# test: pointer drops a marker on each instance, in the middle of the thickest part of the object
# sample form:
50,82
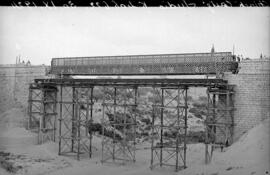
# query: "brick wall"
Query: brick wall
14,83
252,94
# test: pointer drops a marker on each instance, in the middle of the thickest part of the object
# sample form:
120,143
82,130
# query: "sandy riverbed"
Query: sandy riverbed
250,155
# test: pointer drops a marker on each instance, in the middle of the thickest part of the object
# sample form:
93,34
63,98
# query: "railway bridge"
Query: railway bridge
61,109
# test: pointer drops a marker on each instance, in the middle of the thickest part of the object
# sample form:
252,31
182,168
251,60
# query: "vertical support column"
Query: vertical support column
229,113
78,123
41,119
207,158
161,126
213,127
125,144
185,126
30,103
114,123
227,105
55,117
60,119
88,119
103,123
44,109
219,121
91,119
155,128
73,120
135,121
152,137
177,134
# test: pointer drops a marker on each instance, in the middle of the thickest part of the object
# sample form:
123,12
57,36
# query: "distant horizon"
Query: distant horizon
14,64
40,34
144,55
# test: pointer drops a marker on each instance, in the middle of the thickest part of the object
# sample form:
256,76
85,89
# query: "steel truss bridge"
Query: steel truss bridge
62,110
163,64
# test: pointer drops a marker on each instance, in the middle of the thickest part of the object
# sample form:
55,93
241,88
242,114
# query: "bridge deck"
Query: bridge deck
134,82
163,64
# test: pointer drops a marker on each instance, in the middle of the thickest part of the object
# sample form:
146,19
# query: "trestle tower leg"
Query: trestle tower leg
169,127
119,124
42,111
75,117
219,121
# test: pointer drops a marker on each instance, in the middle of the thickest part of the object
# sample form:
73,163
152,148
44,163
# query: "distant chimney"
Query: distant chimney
213,49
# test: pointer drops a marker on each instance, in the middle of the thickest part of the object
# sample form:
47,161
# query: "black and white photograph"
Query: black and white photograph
125,90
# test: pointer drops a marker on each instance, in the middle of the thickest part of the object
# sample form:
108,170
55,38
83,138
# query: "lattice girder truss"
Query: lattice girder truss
119,124
219,122
76,107
169,127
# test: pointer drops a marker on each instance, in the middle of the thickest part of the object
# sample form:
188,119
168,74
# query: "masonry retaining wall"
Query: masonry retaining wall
252,94
14,84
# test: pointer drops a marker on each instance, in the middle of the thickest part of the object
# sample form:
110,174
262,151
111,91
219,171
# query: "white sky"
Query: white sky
38,34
